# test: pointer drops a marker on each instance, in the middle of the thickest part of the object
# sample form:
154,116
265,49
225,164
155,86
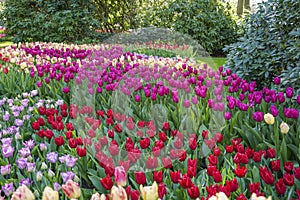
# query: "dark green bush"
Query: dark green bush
207,21
49,21
270,45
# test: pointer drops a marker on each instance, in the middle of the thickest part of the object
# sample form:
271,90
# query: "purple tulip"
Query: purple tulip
186,103
289,92
6,116
56,186
298,99
291,113
280,97
25,181
8,151
29,143
5,169
70,162
43,147
52,157
67,176
30,167
8,189
227,115
66,90
258,116
22,163
276,80
39,84
24,152
6,142
195,100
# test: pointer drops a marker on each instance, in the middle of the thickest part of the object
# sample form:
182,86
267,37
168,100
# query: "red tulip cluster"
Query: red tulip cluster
52,123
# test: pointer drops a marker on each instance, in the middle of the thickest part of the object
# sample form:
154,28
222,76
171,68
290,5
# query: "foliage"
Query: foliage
116,15
270,44
209,22
57,21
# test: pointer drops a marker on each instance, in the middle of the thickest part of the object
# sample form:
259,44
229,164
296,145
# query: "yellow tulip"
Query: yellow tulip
284,128
23,193
219,196
149,192
118,193
255,197
97,196
49,194
269,118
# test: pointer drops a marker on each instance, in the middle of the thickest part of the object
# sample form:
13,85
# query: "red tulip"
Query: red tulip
297,172
217,176
81,151
288,166
140,178
275,165
254,187
240,171
166,126
167,162
161,190
106,182
266,175
175,176
144,143
158,176
280,186
185,182
59,140
229,148
212,159
288,179
193,192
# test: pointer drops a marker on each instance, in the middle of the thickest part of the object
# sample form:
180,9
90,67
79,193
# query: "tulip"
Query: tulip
97,196
219,196
71,189
49,194
120,176
118,193
149,192
284,128
255,197
269,119
23,193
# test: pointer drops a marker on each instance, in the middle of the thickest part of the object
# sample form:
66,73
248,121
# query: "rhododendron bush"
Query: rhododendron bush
96,122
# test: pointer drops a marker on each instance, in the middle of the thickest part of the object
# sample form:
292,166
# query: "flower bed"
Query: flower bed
132,126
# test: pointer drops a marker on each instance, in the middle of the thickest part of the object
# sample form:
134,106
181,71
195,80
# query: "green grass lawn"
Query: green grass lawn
213,62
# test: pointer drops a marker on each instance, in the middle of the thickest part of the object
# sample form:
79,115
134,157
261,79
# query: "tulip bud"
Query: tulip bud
23,193
39,176
284,128
120,176
44,166
149,192
50,194
51,173
71,189
118,193
269,119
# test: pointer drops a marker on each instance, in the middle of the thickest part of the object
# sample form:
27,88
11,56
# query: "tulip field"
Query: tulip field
100,122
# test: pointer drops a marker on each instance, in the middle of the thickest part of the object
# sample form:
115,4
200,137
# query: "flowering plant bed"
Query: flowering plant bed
95,122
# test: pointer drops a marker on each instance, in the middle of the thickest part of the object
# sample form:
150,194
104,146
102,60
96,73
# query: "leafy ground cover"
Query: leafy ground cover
98,122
